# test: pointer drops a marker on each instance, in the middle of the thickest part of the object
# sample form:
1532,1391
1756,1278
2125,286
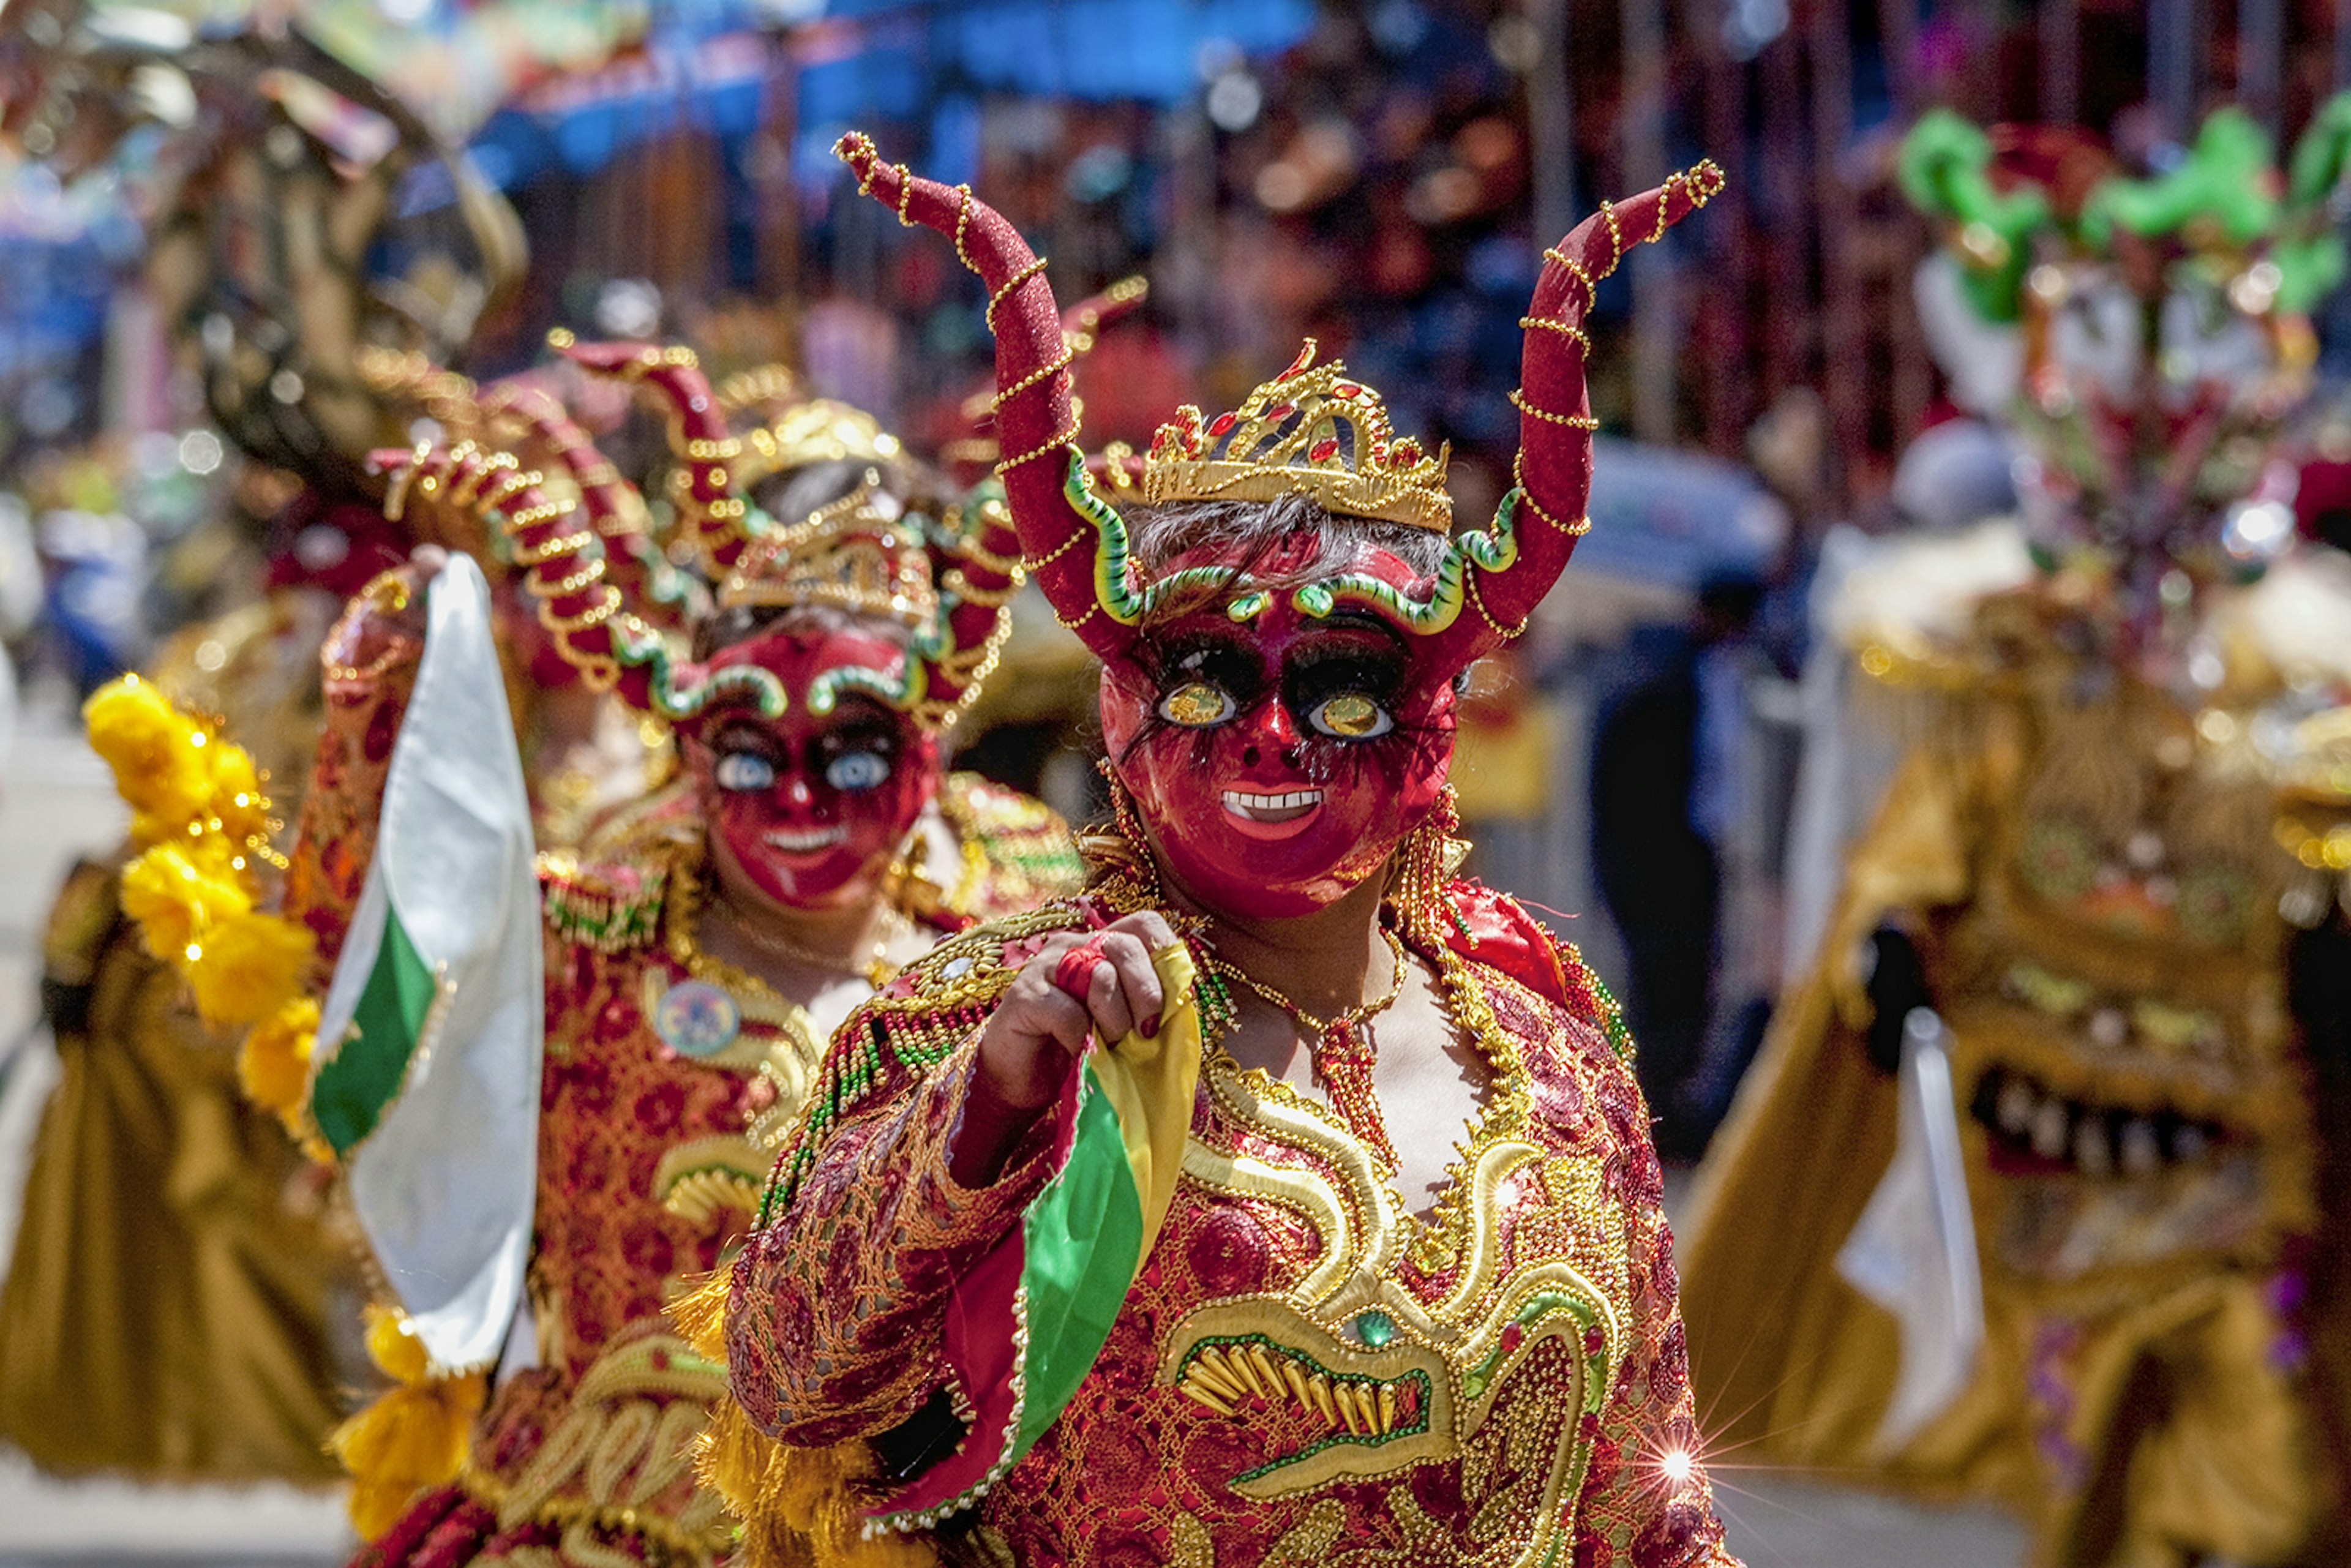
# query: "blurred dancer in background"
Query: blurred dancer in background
1665,779
166,1314
2035,1192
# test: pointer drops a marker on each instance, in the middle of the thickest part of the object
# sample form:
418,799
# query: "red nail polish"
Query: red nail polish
1150,1025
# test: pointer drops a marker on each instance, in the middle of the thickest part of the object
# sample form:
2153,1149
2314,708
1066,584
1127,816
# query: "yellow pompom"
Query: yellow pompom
251,965
158,754
176,902
236,800
273,1065
376,1506
415,1435
412,1437
397,1353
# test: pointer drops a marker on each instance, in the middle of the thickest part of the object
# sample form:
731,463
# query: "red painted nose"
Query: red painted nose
1269,734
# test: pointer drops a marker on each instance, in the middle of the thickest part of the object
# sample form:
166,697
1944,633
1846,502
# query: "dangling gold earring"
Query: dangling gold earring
1122,845
1425,861
1121,806
905,887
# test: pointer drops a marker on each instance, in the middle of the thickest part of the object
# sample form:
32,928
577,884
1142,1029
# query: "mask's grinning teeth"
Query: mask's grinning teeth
804,843
1271,808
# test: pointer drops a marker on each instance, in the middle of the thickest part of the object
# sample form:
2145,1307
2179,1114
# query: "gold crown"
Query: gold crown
818,430
863,553
1309,430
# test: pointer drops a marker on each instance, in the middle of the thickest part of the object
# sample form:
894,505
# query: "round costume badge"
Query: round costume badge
695,1018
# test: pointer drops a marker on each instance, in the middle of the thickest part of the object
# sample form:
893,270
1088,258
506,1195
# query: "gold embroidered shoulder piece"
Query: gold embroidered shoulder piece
609,894
1017,851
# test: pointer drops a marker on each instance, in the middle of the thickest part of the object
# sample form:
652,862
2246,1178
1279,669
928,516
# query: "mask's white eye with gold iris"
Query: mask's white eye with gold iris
744,770
1351,715
854,770
1196,705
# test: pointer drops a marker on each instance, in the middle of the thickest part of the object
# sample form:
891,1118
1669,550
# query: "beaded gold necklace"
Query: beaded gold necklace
1341,1051
875,969
761,1000
1509,1101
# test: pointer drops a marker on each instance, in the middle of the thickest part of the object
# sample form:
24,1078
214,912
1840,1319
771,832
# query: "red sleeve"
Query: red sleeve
839,1302
335,839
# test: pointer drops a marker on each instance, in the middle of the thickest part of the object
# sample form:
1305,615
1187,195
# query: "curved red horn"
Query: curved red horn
615,509
703,485
1555,463
970,457
565,561
1033,419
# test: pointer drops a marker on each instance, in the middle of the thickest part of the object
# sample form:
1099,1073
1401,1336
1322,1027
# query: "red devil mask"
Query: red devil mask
813,807
1277,763
1278,759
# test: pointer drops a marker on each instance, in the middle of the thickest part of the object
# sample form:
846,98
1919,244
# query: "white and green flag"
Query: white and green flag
426,1082
1913,1251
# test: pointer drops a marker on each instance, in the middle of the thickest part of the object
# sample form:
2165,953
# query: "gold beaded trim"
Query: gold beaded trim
1573,420
561,544
584,578
1057,552
1069,356
587,620
1036,266
1577,529
1574,334
1056,445
955,581
1477,602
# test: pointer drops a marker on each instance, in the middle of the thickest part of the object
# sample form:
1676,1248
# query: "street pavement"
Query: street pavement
56,801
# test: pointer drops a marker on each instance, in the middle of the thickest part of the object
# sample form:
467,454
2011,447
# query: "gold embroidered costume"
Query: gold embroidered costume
2111,867
2096,886
1302,1371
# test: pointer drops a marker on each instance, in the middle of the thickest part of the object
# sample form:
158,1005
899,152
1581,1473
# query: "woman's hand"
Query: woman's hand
1037,1028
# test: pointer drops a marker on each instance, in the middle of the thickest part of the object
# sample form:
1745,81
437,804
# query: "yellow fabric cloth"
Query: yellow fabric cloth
165,1313
1150,1080
163,1316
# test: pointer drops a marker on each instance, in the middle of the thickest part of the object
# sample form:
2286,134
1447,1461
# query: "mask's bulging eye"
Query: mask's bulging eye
856,770
1196,705
744,770
1351,715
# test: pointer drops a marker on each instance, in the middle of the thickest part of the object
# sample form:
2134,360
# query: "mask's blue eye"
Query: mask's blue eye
744,770
855,770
